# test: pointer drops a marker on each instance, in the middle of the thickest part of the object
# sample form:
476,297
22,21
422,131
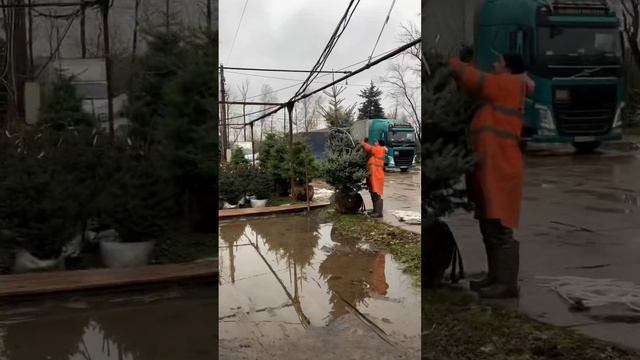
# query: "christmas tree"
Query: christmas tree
447,156
371,108
345,166
336,114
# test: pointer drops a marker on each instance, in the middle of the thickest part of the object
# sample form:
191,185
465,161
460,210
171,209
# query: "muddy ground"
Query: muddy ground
292,288
581,217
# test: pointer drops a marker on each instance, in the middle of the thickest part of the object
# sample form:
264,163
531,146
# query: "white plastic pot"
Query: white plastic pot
120,255
258,203
229,206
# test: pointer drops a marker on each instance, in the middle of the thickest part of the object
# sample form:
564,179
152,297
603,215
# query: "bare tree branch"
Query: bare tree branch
397,77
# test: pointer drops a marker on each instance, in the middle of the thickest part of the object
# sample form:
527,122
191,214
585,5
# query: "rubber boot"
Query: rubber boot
373,204
506,266
377,208
475,285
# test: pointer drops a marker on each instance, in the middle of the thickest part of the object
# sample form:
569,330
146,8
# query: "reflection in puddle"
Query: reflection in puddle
127,327
280,276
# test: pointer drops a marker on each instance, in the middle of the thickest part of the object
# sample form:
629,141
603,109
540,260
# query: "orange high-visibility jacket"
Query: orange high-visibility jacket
496,183
376,166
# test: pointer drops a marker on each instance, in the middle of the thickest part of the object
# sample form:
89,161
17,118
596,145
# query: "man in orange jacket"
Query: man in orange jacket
496,182
375,181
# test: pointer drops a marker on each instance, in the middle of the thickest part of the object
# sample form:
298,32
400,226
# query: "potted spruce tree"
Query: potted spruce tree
345,168
137,206
38,212
234,181
274,159
261,187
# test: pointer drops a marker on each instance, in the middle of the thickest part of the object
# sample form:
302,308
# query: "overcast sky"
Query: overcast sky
292,34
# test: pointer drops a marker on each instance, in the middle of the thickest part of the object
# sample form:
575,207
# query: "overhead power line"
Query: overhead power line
321,76
386,21
353,73
249,103
333,40
292,79
285,70
48,4
252,113
237,29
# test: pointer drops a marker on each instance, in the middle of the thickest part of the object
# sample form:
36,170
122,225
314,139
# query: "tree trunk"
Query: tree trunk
107,62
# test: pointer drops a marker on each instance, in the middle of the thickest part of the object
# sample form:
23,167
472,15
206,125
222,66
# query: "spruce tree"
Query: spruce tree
345,166
371,107
447,156
62,107
173,97
336,115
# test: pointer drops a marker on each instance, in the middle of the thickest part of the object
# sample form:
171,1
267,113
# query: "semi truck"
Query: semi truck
399,136
573,50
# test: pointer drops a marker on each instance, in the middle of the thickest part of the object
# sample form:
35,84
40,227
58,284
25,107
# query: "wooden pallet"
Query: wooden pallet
95,279
227,214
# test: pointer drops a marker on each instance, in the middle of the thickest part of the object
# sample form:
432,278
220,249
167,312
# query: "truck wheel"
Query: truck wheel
404,169
586,147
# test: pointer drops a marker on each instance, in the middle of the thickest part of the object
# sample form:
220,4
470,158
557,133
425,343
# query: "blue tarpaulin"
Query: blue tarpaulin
317,140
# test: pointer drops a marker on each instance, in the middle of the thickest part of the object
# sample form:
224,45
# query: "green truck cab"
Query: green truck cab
399,136
573,51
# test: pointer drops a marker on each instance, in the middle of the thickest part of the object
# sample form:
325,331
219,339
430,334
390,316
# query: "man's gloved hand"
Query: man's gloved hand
366,140
466,54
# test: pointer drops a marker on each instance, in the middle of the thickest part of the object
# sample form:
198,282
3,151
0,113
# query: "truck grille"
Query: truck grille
404,158
590,111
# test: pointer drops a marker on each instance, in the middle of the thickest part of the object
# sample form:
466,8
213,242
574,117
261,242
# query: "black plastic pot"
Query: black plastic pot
347,203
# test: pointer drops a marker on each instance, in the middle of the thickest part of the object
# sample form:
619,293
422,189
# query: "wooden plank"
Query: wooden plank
69,281
248,212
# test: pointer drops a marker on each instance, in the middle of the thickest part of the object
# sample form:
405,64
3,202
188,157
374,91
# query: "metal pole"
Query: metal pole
83,34
107,62
253,149
306,184
244,121
250,102
292,168
223,114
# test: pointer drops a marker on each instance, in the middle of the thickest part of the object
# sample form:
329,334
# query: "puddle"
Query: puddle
169,324
284,278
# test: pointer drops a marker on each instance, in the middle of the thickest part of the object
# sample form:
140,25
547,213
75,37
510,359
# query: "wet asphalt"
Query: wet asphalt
402,191
581,218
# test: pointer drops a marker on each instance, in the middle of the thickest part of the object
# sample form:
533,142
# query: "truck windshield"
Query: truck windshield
404,137
580,43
